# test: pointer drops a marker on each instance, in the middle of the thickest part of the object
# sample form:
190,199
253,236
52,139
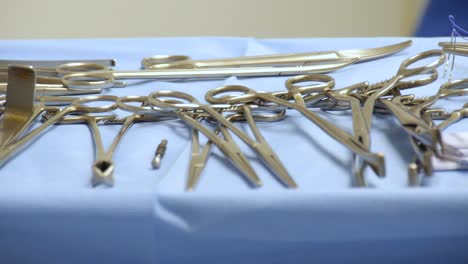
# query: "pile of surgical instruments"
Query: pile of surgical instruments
306,92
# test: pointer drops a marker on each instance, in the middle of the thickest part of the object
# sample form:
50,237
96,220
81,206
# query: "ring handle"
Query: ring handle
123,103
247,95
75,67
406,70
88,80
165,100
80,103
431,77
326,83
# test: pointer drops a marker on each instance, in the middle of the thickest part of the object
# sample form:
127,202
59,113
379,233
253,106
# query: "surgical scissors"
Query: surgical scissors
106,78
294,59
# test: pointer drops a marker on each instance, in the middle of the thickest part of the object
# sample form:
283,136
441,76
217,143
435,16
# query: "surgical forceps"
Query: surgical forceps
403,72
251,96
187,112
78,105
408,116
103,167
424,138
361,134
182,61
226,145
200,157
259,145
360,131
106,79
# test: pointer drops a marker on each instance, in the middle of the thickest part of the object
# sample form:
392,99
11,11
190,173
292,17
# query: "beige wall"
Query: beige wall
259,18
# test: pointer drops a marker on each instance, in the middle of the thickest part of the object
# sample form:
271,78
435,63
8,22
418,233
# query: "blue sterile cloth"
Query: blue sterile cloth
49,213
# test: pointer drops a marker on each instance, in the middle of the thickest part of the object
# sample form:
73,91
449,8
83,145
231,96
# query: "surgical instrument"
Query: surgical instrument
199,155
191,119
199,158
403,72
360,129
250,95
106,79
259,144
455,48
103,167
55,89
159,154
448,118
78,105
59,67
20,108
51,65
50,71
308,58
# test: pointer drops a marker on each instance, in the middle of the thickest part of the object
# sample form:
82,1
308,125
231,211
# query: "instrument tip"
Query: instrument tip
103,173
159,154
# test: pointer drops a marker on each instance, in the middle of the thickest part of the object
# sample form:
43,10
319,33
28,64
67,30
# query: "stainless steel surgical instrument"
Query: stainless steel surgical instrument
308,58
20,106
107,79
50,71
260,147
55,89
199,158
336,133
159,154
404,72
360,131
259,144
78,105
228,147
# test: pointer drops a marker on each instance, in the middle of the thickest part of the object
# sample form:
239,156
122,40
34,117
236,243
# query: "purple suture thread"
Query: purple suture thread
456,29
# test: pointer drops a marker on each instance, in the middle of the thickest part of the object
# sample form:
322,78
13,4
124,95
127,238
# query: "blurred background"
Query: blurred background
28,19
